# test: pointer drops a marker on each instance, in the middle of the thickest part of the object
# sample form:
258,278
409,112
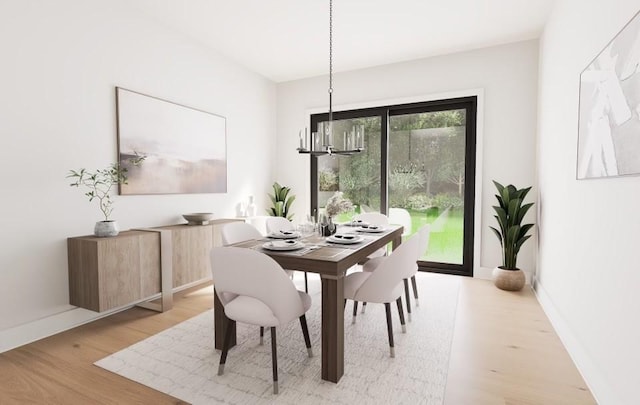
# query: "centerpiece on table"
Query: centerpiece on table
336,204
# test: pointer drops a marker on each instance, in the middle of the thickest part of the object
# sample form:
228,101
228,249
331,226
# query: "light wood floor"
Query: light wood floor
504,351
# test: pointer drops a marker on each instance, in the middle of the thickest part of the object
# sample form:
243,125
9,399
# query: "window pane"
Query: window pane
426,177
358,176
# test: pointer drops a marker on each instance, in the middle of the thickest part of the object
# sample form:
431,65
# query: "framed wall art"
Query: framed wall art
609,121
185,147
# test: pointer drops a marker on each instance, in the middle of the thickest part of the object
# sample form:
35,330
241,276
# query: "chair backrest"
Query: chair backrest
276,224
400,216
240,271
373,218
423,235
389,274
235,232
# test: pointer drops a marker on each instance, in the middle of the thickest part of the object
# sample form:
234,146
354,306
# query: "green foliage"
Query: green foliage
101,181
509,213
444,201
281,201
403,181
418,202
359,175
327,180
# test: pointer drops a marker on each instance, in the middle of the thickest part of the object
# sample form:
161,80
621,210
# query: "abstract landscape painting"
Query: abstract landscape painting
609,122
185,147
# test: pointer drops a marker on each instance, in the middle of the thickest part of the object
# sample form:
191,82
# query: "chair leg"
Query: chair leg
274,360
408,298
355,312
225,347
261,335
364,305
306,283
401,314
387,307
415,289
305,332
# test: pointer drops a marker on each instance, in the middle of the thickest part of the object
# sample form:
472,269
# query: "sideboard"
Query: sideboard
113,272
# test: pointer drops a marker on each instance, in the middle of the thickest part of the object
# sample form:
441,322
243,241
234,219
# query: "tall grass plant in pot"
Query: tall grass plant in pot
512,234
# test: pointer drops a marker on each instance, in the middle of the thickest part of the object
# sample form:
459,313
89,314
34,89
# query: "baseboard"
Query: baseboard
30,332
591,374
483,273
41,328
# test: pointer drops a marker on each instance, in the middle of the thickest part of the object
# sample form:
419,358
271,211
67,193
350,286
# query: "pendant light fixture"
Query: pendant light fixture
322,141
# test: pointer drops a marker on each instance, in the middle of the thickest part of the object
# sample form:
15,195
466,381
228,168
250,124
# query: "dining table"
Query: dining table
331,261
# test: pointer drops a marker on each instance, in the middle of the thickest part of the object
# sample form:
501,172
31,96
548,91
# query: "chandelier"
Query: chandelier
322,141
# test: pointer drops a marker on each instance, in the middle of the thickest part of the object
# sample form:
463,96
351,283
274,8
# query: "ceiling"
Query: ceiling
288,39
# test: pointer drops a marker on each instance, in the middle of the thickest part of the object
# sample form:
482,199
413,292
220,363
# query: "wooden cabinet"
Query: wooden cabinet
108,273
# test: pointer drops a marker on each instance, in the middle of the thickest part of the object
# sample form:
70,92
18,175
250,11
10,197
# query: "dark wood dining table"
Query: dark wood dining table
331,262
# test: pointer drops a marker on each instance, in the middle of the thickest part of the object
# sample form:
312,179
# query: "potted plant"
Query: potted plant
281,201
512,234
99,184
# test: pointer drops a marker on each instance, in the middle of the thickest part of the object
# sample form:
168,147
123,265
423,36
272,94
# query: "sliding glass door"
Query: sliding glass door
418,163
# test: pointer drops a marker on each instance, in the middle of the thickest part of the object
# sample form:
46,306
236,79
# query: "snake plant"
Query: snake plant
509,213
281,201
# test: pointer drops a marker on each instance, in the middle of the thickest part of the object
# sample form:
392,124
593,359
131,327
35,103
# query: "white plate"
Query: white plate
283,245
345,238
356,223
372,229
285,235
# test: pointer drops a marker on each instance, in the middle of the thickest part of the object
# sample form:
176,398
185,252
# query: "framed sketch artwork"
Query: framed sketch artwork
185,148
609,121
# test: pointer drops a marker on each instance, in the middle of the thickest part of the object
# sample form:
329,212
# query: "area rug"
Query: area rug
182,362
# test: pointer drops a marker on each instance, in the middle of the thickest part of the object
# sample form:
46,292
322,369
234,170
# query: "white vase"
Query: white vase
106,228
251,207
508,280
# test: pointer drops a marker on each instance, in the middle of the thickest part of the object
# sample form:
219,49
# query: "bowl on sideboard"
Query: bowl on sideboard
198,218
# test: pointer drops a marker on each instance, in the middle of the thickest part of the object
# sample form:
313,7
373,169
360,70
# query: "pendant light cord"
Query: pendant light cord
330,60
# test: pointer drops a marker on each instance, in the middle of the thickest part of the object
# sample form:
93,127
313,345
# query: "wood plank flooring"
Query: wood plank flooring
504,351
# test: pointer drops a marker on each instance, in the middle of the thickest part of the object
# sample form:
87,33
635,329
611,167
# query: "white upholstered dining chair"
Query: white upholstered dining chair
423,242
277,224
236,232
378,219
400,216
384,285
253,289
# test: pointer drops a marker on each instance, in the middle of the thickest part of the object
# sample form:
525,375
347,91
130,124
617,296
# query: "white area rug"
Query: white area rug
182,362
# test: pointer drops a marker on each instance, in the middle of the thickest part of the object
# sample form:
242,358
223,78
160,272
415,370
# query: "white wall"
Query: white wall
508,75
588,274
60,63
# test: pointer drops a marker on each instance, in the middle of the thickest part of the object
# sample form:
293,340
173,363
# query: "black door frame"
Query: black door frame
469,104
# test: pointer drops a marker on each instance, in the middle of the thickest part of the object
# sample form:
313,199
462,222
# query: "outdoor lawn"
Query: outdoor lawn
445,240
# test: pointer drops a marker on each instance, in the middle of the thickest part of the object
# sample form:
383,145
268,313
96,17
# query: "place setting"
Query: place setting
366,228
344,240
284,235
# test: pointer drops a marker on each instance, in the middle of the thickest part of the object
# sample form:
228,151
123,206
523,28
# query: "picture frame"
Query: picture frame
185,148
609,109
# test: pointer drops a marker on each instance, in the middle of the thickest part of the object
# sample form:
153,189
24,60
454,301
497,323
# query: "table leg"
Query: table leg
221,324
332,329
396,242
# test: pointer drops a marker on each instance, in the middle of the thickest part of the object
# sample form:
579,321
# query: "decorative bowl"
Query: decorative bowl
198,218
